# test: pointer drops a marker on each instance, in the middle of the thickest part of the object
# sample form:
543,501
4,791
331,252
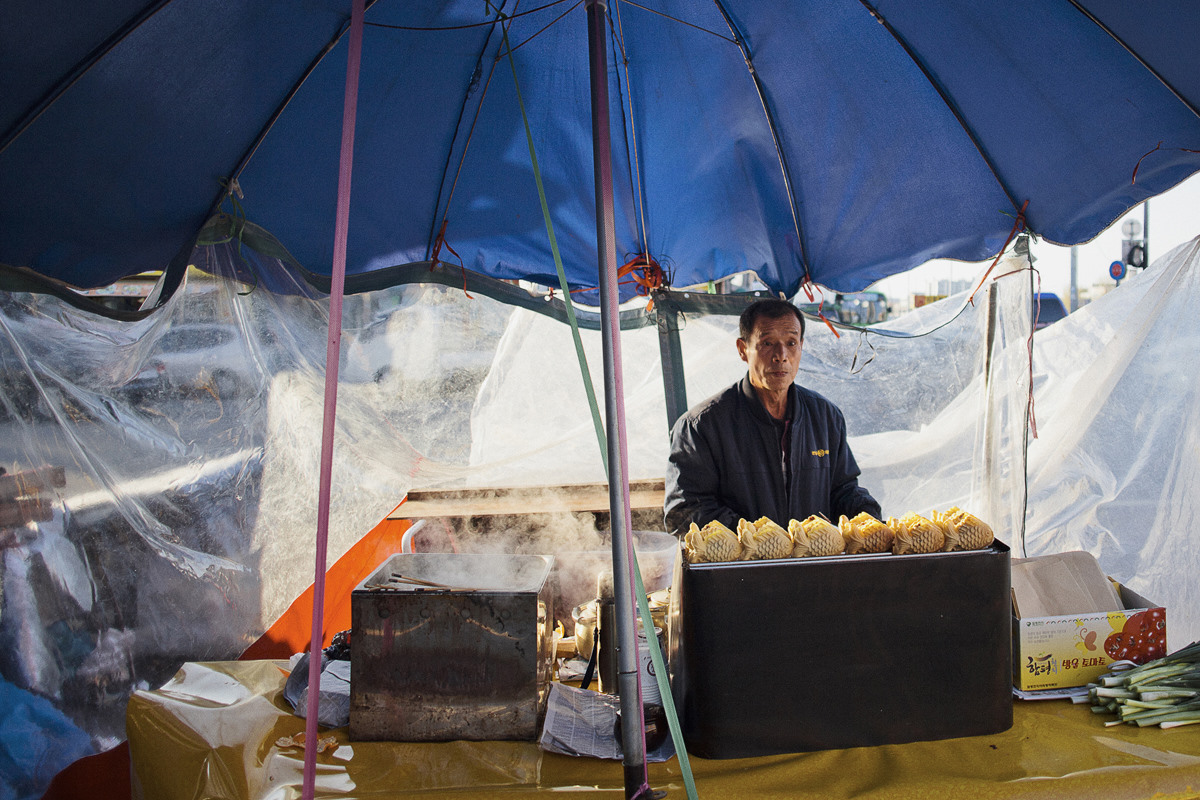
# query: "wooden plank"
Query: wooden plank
14,537
31,482
19,512
522,500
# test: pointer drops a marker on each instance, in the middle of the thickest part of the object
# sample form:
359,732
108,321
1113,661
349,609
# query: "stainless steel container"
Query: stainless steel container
451,646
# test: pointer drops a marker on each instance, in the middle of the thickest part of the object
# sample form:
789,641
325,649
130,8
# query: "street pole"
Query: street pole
1074,298
1145,233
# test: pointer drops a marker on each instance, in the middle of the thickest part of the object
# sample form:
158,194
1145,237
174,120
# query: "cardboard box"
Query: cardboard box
802,654
1070,622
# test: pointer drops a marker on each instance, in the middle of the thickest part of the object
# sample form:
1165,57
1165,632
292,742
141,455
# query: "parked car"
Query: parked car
829,311
197,357
863,308
1048,308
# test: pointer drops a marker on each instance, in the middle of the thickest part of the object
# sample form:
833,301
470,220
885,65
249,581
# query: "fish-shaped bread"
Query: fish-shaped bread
764,538
816,536
916,534
865,534
964,530
714,542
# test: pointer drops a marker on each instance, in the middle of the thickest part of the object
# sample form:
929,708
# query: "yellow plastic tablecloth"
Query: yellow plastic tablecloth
211,732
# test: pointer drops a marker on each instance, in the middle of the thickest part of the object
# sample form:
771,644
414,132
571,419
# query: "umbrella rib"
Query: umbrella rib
680,21
1112,34
466,26
244,161
631,153
946,100
543,29
438,225
77,72
785,171
435,225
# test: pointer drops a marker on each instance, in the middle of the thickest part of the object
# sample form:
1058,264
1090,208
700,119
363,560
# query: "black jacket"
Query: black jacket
727,462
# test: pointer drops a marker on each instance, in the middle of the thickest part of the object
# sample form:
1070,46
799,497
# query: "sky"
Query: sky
1174,220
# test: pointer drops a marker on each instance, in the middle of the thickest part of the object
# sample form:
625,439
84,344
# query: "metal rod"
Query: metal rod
398,578
671,355
628,681
332,350
989,395
1145,234
1074,293
785,171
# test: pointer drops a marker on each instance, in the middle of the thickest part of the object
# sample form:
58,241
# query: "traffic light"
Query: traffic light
1133,253
1133,248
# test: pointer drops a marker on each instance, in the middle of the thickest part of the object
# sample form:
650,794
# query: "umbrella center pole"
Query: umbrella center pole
633,741
337,285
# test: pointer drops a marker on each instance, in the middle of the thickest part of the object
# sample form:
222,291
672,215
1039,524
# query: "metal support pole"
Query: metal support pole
1145,233
633,740
332,357
671,355
989,398
1073,299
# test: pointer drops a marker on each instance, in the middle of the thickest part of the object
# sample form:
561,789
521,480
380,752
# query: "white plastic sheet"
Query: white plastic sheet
914,396
1115,469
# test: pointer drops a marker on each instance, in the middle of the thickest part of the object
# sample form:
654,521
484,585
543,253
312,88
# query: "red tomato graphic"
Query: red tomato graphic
1116,647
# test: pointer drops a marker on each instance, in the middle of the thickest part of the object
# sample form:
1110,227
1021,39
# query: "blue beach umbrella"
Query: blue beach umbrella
839,142
834,142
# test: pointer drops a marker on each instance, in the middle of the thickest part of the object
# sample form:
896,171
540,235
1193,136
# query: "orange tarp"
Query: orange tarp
290,633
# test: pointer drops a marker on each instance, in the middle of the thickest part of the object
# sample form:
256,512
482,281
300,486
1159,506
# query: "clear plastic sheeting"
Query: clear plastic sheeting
188,443
928,428
1115,469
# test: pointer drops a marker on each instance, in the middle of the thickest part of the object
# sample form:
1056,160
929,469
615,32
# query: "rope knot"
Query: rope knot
808,287
645,273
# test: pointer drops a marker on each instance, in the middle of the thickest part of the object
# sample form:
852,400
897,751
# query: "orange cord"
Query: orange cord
807,286
437,249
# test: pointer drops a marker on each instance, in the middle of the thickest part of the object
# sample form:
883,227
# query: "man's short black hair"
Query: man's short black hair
767,309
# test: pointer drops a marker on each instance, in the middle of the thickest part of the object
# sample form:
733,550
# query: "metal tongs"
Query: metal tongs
398,581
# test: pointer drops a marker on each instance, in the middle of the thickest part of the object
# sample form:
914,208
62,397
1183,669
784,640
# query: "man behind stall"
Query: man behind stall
764,446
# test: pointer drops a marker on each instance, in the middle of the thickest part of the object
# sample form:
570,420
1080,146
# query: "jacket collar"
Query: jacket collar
756,407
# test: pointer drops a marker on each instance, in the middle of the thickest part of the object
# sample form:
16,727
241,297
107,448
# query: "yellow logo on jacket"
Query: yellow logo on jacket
820,453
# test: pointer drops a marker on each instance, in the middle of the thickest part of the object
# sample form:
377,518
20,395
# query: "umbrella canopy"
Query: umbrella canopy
837,141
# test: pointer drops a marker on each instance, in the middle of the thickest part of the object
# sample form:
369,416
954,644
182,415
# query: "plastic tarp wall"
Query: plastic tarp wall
915,399
189,446
1115,469
928,429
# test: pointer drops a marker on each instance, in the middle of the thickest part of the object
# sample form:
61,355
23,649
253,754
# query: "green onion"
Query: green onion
1163,692
1177,723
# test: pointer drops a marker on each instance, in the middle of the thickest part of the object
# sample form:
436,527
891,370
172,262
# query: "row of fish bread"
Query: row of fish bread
943,531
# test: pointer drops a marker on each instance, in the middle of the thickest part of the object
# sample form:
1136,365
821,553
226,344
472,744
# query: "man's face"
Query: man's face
773,352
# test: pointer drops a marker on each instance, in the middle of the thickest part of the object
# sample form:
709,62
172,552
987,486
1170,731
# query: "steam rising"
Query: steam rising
579,541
